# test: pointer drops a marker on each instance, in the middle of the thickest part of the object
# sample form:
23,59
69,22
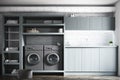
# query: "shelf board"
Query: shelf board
11,63
43,24
43,34
12,32
12,40
11,24
9,74
11,52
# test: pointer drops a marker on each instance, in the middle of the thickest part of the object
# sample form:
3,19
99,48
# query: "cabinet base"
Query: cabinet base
68,73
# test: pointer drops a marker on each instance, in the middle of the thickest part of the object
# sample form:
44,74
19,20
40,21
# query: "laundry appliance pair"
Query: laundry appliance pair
43,57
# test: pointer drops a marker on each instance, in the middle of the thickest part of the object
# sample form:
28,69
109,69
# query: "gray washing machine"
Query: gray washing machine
34,57
52,57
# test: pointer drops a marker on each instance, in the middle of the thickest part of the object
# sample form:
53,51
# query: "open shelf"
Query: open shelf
11,63
12,40
8,74
43,29
43,19
11,52
11,24
10,68
14,32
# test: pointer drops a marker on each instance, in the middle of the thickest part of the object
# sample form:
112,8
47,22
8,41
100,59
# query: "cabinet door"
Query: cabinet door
72,59
90,59
77,23
71,23
108,23
83,23
95,23
108,59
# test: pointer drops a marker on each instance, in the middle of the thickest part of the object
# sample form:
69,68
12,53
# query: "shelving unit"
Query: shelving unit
21,30
44,30
11,48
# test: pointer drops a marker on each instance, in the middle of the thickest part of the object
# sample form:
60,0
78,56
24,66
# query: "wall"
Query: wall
117,15
88,38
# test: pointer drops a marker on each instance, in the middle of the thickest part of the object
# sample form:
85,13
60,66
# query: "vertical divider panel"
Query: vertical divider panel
21,41
3,41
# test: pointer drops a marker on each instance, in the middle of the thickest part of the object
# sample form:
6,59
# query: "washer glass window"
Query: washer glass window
53,58
33,58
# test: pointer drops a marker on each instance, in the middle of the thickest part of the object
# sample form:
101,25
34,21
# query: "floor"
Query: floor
54,77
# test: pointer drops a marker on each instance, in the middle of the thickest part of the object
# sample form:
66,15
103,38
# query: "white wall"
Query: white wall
117,15
88,38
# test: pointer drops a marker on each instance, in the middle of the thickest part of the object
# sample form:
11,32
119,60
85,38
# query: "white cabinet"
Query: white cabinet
101,61
108,59
90,59
72,59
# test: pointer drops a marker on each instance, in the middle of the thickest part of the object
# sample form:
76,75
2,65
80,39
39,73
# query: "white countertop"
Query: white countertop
90,46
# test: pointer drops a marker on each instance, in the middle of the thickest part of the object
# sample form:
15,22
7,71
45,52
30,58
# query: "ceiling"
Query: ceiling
57,2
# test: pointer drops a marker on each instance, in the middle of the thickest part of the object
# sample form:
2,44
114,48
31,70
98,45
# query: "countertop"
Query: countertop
90,46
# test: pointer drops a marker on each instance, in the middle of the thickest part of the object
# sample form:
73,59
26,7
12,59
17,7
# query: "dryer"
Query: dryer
34,57
52,57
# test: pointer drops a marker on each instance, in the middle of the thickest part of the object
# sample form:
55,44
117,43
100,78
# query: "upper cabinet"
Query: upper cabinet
108,23
95,23
70,22
90,23
77,23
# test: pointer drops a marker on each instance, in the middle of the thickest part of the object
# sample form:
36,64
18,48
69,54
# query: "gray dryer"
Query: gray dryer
52,57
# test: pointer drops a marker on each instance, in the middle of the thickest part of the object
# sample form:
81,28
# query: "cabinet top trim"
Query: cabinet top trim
58,9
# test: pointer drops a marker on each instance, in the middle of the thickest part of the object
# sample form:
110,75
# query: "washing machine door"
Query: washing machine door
33,58
53,58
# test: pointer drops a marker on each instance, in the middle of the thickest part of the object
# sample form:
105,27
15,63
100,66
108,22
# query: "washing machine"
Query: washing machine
34,57
52,57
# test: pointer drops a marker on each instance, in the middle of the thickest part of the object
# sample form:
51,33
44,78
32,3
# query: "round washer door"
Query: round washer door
53,58
33,58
